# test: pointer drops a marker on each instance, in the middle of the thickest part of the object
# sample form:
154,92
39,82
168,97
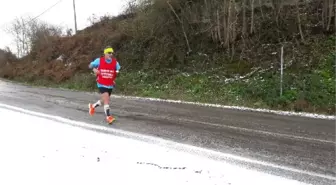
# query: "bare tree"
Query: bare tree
28,32
18,29
182,26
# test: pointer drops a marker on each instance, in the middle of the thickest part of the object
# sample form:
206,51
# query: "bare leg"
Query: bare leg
92,107
98,103
106,100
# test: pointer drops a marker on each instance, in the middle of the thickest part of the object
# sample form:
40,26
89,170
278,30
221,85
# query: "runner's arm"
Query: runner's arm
118,67
94,64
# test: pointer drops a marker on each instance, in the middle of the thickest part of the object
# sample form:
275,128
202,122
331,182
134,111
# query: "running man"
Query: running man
106,69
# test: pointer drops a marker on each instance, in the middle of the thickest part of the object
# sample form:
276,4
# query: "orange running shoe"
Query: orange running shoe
110,119
91,109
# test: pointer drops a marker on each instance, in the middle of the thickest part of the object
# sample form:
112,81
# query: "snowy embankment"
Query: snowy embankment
36,150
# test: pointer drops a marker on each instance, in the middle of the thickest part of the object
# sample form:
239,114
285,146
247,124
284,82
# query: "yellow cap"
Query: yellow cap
108,50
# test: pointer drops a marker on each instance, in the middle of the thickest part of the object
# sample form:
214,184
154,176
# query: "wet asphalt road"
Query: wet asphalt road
305,144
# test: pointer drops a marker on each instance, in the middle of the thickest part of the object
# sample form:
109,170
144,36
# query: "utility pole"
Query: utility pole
74,7
281,71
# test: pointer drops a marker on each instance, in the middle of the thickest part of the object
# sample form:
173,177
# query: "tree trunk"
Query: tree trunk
218,28
227,39
330,13
252,17
244,18
299,21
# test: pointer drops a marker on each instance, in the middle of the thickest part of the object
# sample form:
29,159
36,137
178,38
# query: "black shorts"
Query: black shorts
104,90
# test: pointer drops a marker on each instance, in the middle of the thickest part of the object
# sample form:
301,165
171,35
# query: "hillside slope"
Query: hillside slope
210,51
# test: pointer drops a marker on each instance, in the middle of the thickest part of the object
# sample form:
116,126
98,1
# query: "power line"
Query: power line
45,11
4,24
49,8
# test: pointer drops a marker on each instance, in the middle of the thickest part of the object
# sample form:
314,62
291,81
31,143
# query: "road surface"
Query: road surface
295,147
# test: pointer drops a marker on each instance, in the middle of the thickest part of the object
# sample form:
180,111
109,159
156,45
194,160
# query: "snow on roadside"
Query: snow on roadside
241,108
36,150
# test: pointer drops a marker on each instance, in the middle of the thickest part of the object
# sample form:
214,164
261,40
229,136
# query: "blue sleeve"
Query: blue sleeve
95,63
118,66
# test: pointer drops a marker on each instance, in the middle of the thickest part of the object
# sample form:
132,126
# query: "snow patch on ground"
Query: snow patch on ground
285,113
37,150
